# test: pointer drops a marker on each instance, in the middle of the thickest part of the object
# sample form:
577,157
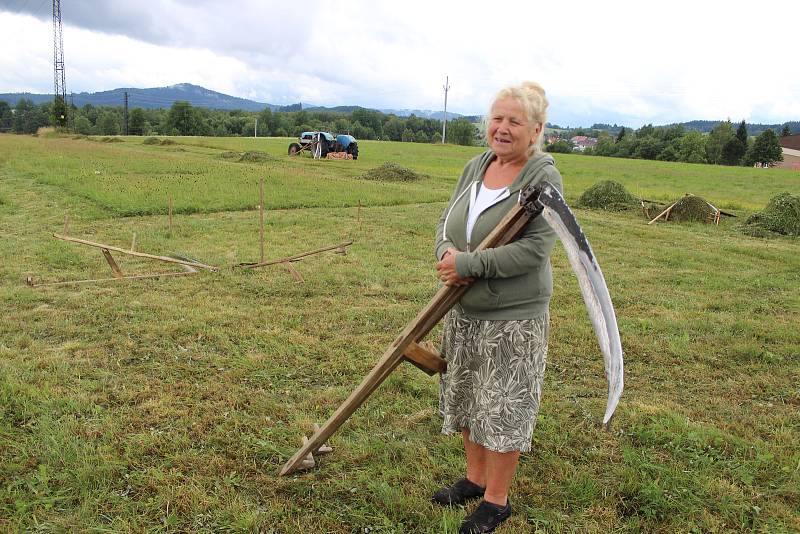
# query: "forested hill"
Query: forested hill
701,126
163,97
752,129
152,98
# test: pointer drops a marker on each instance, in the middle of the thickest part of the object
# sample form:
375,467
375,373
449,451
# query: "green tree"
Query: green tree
267,122
108,123
733,151
28,118
647,148
605,145
90,112
60,112
786,131
741,134
6,117
393,128
561,146
670,152
82,125
717,139
187,120
766,149
645,131
136,122
621,134
461,132
692,147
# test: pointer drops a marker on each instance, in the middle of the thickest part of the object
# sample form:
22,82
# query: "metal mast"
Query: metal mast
446,88
59,84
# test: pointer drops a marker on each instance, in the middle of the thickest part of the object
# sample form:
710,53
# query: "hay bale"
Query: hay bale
392,172
780,216
607,195
255,157
692,208
230,154
158,141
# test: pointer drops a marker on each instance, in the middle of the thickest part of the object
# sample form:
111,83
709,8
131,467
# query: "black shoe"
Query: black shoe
459,493
485,518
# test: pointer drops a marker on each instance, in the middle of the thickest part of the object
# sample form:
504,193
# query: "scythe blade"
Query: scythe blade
545,199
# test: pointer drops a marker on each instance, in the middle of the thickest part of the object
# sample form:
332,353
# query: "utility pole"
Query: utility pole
59,83
255,130
125,115
446,88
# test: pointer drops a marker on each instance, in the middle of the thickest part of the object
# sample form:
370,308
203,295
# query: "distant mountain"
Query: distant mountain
155,97
421,113
163,97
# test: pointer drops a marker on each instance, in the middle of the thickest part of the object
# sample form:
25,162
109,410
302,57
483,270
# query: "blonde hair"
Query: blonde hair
530,96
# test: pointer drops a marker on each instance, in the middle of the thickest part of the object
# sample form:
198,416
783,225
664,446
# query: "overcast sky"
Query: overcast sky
625,62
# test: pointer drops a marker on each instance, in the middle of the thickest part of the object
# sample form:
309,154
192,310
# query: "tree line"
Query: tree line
184,119
724,145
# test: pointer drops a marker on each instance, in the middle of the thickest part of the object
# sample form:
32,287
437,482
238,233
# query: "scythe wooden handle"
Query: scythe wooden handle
506,231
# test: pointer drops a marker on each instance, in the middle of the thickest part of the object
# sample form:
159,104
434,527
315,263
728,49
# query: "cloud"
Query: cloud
600,62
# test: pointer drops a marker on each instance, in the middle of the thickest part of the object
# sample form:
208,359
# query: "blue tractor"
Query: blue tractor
320,143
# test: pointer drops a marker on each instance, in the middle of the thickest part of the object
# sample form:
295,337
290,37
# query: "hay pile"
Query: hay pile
110,140
607,195
157,141
692,208
781,216
392,172
255,157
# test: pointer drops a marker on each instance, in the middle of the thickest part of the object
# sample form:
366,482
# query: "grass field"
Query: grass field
169,405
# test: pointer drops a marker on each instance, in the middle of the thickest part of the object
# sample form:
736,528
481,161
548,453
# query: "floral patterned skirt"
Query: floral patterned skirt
493,383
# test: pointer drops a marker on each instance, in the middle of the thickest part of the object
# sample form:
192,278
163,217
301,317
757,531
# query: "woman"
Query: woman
495,338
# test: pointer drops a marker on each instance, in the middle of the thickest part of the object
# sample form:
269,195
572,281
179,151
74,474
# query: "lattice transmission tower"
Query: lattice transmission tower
60,85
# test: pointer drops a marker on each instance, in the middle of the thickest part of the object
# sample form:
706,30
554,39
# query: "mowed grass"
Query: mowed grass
169,405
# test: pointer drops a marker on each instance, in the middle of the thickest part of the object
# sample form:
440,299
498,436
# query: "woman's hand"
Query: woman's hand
446,270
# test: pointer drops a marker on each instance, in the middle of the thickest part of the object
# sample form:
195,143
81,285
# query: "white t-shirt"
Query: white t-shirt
484,198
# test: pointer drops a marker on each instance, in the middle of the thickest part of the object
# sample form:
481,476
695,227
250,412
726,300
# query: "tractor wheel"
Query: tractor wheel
324,147
353,149
294,148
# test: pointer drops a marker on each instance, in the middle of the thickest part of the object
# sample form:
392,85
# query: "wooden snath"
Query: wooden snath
409,345
190,267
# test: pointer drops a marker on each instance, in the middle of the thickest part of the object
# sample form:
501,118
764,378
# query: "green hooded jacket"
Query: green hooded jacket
513,281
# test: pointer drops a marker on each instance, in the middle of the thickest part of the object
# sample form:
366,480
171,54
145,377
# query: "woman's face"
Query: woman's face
510,132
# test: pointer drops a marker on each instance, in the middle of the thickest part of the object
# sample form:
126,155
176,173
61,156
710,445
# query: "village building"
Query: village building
581,142
790,146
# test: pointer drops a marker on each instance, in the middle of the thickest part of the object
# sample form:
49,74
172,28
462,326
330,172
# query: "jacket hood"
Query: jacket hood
529,171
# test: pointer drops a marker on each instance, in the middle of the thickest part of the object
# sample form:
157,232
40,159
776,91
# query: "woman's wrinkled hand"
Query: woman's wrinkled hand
446,270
